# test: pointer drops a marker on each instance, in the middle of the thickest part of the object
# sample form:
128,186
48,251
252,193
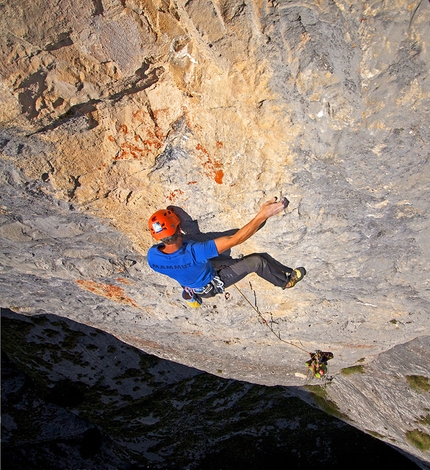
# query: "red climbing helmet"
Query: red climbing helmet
163,224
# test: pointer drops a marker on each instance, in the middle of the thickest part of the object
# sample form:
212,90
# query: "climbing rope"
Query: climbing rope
265,322
317,364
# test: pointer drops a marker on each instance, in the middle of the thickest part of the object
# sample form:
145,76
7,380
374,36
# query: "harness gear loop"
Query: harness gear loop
218,284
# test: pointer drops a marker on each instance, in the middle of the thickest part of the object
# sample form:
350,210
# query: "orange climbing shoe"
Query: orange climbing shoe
297,275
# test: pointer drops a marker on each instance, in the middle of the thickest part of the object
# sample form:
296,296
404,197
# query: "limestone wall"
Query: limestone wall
112,109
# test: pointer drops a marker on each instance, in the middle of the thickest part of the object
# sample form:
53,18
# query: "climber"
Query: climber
188,262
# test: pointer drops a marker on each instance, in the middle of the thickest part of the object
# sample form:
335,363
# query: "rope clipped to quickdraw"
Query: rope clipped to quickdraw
318,362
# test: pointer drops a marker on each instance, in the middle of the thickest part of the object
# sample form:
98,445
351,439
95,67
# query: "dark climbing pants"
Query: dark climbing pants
234,270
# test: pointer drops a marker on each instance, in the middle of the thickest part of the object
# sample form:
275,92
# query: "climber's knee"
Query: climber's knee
249,264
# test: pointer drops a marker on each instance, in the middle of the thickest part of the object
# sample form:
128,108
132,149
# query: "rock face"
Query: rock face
112,109
91,401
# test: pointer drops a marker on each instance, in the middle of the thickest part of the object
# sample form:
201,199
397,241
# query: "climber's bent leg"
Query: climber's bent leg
255,264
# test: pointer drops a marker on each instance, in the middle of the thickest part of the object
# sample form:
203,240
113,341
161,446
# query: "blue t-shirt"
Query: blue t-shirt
189,265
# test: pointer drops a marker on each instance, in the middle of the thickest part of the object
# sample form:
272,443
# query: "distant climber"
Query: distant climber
188,262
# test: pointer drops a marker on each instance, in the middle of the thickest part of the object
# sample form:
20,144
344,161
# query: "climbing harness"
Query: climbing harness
193,296
318,362
217,284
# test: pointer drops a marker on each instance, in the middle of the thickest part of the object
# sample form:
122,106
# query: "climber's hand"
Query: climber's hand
271,208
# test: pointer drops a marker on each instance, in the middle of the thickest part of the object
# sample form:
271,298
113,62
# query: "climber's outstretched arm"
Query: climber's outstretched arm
268,209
